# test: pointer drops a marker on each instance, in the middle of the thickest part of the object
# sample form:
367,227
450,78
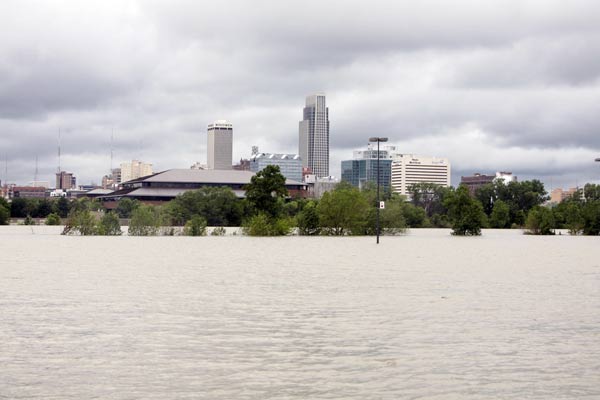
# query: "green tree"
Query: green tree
19,208
126,206
487,196
591,192
218,205
343,211
53,219
43,209
500,216
109,225
392,219
540,221
573,217
308,220
4,215
591,217
414,216
62,207
195,226
465,213
264,190
145,221
85,204
429,196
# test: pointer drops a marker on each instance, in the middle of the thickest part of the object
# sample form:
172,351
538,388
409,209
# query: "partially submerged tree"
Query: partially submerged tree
145,221
196,226
109,225
465,213
540,221
343,211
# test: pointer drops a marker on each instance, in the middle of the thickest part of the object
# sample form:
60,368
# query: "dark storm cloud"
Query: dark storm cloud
496,85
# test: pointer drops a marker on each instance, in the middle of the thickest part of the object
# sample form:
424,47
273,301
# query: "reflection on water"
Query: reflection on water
425,315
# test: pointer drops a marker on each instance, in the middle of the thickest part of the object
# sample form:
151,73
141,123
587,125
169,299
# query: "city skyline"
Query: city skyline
511,85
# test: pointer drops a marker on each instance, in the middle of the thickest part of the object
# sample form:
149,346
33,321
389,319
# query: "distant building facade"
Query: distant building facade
243,165
290,165
65,180
29,192
408,169
478,180
113,180
219,145
165,186
134,170
363,168
559,195
318,186
314,135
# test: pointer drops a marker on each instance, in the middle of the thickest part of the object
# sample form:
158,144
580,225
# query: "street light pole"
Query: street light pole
378,140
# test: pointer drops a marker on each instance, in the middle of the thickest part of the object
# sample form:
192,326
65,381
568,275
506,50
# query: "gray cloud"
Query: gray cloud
491,85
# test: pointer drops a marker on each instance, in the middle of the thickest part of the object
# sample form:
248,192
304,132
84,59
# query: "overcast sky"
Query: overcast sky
492,85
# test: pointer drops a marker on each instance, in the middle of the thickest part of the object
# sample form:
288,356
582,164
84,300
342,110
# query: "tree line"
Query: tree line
267,211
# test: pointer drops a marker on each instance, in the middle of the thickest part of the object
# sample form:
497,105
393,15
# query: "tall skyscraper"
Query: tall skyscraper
219,146
314,136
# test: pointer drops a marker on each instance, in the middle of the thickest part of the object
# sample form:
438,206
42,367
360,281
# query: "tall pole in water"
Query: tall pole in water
378,140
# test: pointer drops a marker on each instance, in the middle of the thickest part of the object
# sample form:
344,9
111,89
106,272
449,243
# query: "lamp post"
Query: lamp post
378,140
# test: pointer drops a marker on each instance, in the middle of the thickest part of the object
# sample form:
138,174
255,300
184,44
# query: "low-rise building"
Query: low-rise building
28,192
290,165
165,186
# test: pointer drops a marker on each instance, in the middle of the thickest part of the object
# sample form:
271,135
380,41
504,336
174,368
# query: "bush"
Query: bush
53,219
263,225
109,225
218,231
195,226
28,220
80,222
145,221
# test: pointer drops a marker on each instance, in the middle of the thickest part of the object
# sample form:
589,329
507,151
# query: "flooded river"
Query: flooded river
421,316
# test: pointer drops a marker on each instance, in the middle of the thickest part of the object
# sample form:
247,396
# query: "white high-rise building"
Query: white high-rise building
408,169
133,170
220,145
314,136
